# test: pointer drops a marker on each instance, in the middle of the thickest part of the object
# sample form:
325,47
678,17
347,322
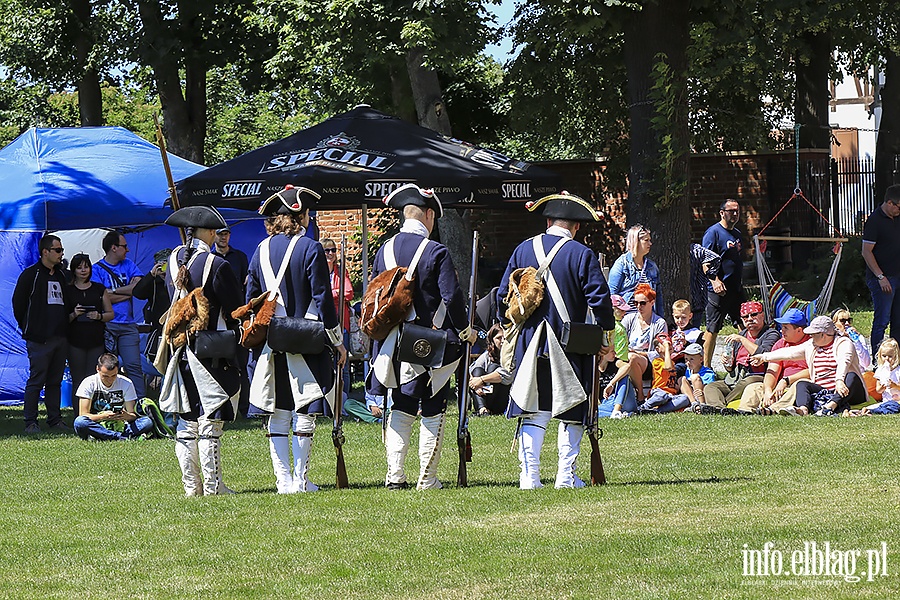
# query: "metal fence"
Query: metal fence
852,193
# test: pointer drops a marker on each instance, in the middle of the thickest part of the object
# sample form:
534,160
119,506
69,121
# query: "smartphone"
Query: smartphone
118,409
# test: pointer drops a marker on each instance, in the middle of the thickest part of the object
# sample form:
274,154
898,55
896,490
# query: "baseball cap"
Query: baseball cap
694,349
821,324
619,302
793,316
223,230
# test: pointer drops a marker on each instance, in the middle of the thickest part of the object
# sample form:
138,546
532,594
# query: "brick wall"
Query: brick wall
761,182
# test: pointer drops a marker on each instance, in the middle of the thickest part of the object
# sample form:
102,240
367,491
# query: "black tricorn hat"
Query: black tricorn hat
290,200
205,217
565,206
410,193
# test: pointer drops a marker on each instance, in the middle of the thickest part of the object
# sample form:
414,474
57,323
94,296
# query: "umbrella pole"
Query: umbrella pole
365,248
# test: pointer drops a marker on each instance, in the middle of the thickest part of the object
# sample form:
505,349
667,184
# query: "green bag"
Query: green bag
149,408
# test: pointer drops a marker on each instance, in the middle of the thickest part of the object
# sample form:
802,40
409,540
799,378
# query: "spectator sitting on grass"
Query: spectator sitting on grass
683,333
843,322
664,396
489,381
756,337
642,327
778,388
107,401
618,390
887,378
697,375
833,367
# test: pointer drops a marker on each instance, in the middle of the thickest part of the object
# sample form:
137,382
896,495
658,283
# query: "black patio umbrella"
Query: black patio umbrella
359,157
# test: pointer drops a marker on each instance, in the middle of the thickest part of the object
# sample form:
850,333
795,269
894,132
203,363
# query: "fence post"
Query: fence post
835,194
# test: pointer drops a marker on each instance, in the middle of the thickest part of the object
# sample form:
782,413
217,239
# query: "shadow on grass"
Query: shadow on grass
684,481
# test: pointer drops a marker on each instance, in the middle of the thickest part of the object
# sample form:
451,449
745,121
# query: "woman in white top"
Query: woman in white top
642,327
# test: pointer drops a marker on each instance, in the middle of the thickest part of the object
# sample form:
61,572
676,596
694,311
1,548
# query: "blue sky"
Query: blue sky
504,12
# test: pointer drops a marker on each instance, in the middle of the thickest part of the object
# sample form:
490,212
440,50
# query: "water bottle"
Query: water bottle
728,357
854,335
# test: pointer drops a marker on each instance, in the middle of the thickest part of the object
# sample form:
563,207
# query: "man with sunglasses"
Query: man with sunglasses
39,306
880,248
119,274
725,291
756,337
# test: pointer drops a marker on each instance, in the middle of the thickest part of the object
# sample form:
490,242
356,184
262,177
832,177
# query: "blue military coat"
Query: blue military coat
436,284
582,287
305,291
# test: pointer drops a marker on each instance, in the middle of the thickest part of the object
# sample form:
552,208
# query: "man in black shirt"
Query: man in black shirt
39,306
880,249
237,259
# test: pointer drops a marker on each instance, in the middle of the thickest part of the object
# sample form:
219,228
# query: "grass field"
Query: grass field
687,495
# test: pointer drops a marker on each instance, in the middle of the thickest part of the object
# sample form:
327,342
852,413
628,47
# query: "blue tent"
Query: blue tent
76,178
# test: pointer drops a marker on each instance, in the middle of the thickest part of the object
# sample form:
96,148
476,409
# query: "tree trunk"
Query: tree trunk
658,193
401,93
184,110
90,101
811,103
454,227
887,146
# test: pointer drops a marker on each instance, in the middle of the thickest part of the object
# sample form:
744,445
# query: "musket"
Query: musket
463,438
598,477
337,432
173,195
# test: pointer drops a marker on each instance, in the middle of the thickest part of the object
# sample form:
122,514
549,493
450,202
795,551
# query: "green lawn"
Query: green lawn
685,494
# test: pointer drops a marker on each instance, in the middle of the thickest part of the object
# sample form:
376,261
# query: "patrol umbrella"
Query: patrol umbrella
359,157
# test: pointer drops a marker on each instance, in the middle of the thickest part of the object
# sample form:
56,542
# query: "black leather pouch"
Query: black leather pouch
582,338
216,344
421,345
296,335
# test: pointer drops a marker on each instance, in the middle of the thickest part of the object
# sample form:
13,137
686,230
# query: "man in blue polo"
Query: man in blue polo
725,292
119,274
880,249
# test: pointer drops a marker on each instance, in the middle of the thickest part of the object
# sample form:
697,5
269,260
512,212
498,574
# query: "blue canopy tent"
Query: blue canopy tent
78,178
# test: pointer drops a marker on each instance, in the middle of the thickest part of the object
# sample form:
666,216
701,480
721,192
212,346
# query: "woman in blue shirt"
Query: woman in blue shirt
634,267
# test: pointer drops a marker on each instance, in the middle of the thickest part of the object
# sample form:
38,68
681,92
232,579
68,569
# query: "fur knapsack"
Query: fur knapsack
187,316
526,287
389,296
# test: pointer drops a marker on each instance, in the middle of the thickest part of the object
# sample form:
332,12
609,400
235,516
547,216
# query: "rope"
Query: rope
799,194
796,159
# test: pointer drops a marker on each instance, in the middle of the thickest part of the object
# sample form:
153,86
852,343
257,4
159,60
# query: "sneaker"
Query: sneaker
734,412
790,411
617,414
825,412
60,427
706,409
32,428
397,486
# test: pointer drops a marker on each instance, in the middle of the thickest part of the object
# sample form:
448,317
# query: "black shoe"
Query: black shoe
397,486
706,409
735,412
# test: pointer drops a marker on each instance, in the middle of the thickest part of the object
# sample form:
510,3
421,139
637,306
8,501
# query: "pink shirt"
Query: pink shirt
790,366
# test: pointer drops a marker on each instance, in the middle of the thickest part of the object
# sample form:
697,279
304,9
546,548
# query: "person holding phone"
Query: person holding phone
107,402
89,310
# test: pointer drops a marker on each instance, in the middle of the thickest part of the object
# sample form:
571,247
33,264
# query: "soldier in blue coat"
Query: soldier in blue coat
294,388
548,381
202,390
438,302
